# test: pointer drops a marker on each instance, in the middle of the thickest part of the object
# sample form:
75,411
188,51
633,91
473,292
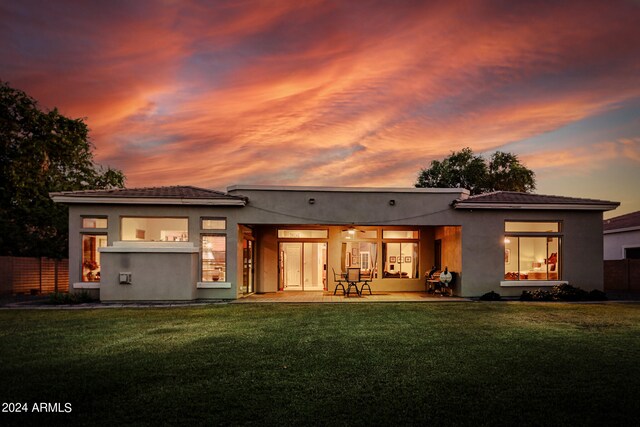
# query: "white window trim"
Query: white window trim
531,283
214,285
625,247
86,285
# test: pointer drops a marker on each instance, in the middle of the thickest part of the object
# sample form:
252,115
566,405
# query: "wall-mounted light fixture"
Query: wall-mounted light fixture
507,240
312,201
392,202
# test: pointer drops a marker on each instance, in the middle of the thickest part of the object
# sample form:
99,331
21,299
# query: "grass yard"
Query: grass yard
327,364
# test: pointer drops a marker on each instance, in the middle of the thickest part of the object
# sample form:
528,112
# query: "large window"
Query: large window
532,251
400,257
363,255
214,258
401,260
145,229
91,257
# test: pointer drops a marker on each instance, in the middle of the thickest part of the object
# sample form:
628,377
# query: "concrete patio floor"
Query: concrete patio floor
328,297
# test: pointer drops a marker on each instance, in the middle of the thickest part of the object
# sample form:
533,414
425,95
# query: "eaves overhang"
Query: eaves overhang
621,230
538,206
146,201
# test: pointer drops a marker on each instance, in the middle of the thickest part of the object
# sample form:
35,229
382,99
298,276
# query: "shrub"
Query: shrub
537,295
491,296
566,292
541,295
563,292
597,295
66,298
526,296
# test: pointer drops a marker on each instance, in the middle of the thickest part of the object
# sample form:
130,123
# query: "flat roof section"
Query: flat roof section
239,187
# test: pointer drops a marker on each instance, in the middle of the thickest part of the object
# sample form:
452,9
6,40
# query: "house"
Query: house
622,237
188,243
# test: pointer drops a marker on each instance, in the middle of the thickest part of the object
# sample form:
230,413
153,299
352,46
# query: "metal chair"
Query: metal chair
367,280
338,278
353,277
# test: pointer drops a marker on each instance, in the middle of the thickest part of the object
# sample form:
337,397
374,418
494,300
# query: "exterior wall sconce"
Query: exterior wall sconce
392,202
312,201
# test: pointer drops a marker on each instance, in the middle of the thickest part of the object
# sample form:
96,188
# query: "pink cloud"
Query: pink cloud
345,93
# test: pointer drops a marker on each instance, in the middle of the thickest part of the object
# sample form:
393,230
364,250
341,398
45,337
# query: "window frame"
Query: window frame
212,218
123,217
557,221
83,217
81,266
536,234
226,255
396,239
374,268
400,241
326,237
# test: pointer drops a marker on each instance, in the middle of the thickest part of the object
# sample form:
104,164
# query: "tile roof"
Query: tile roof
523,199
623,221
173,192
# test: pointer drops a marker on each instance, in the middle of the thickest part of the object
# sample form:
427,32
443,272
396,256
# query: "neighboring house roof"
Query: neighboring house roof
627,222
515,200
179,194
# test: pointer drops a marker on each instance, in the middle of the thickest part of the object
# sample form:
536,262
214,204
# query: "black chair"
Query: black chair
367,280
353,277
338,278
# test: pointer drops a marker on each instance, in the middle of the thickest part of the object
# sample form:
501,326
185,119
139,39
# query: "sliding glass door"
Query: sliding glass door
303,266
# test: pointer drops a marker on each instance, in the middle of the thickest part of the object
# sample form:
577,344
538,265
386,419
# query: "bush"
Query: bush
563,292
541,295
597,295
566,292
66,298
526,296
491,296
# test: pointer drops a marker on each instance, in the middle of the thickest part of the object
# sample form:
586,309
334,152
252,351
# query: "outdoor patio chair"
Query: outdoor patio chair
353,277
367,280
338,278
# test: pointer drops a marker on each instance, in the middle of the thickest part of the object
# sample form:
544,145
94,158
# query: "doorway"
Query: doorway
247,265
303,266
437,254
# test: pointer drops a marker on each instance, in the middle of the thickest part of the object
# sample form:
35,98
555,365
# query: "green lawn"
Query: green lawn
331,364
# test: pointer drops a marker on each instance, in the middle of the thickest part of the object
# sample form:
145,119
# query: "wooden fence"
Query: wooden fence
622,275
22,275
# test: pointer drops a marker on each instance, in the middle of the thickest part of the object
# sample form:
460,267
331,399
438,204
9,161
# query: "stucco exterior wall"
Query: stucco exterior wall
472,240
186,281
615,243
155,276
483,249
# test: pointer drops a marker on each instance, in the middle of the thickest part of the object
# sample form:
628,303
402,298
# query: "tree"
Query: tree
506,173
464,169
41,152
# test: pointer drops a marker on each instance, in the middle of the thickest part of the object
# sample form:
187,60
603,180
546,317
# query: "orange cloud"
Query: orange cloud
324,93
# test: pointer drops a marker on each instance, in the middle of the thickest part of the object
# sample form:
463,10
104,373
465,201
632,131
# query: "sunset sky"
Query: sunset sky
339,93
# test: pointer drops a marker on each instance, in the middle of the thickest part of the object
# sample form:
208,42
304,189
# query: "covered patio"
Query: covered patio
328,297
